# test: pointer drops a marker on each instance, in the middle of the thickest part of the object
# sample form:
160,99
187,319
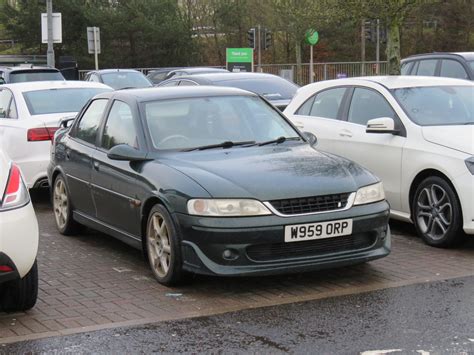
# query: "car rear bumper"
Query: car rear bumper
19,237
256,246
7,275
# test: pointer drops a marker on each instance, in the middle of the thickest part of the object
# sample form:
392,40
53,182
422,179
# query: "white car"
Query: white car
415,133
18,241
30,113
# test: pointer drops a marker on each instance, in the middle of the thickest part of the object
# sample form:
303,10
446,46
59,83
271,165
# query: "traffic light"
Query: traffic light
251,38
267,38
369,31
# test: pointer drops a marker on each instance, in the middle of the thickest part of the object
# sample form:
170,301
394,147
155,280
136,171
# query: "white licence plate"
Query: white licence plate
311,231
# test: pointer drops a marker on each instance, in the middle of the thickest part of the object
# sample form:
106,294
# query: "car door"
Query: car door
80,145
320,115
113,181
379,153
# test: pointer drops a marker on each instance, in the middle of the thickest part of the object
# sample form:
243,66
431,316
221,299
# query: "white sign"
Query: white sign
90,39
57,28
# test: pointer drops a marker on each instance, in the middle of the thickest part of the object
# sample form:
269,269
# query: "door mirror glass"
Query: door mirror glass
381,125
125,152
310,138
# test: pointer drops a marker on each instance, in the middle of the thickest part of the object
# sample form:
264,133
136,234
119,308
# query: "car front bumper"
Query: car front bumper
464,185
256,246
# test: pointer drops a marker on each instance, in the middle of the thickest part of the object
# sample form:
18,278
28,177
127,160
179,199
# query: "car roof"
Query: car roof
395,81
58,84
29,68
465,55
164,93
117,70
216,77
201,69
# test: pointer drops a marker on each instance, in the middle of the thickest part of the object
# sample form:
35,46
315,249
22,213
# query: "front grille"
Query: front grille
311,204
279,251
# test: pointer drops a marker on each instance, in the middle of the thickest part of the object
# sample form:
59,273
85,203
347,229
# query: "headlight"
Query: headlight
369,194
470,164
226,208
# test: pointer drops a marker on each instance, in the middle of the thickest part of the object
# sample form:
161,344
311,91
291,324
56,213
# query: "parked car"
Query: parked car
275,89
119,79
213,181
451,65
415,133
18,241
156,76
30,113
21,74
193,71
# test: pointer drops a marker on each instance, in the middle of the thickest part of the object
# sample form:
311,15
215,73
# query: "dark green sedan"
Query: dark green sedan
215,181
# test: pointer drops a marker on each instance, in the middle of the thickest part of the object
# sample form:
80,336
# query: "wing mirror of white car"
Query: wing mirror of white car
310,138
381,125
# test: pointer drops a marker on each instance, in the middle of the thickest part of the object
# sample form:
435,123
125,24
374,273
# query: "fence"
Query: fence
322,71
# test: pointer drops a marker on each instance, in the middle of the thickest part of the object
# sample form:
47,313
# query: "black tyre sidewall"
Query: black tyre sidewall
175,272
21,295
455,233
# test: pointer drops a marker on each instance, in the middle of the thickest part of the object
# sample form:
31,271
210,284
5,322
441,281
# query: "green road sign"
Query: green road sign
312,36
239,59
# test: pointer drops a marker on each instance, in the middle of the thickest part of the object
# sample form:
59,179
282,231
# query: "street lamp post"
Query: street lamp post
50,53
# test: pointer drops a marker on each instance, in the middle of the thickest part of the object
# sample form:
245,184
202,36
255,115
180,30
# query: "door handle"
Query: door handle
299,125
96,165
345,133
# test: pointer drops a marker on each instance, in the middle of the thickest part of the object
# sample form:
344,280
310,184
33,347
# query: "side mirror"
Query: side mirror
310,138
381,125
66,122
125,152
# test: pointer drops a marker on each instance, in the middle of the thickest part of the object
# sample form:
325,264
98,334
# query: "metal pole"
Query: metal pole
259,49
50,52
96,56
362,47
311,69
377,52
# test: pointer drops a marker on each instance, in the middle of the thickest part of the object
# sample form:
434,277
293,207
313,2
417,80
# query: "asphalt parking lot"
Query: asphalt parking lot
92,281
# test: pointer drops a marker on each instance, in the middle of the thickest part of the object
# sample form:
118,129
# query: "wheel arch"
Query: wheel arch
422,175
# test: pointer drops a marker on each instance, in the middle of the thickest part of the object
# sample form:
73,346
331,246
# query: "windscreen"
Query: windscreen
41,102
193,122
271,89
122,80
438,105
30,75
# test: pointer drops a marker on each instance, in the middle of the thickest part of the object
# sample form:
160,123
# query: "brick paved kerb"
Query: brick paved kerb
93,282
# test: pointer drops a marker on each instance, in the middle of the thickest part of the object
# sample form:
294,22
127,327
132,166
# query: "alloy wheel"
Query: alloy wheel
434,211
60,203
159,246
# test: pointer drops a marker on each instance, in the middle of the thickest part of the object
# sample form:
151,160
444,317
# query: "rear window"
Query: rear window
271,89
30,75
42,102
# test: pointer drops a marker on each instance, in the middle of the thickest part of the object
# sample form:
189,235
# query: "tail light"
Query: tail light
41,134
16,194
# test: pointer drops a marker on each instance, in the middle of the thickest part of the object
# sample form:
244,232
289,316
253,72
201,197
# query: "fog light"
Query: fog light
230,254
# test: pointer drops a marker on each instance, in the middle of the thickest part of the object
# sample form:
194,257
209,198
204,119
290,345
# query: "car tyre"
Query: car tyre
163,247
20,295
62,208
437,213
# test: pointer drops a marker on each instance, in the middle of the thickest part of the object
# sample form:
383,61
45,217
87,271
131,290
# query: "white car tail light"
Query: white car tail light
16,194
41,134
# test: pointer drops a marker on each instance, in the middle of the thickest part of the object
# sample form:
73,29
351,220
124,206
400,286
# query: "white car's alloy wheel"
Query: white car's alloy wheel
435,211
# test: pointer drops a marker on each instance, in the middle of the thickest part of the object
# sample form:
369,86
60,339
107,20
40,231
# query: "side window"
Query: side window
119,128
5,98
306,107
187,83
326,103
452,69
368,104
170,83
406,68
427,67
94,78
86,130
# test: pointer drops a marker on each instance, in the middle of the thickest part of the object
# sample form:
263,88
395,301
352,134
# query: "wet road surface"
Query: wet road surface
435,317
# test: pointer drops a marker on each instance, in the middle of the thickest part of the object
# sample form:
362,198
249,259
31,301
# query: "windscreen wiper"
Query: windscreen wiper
279,140
226,144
